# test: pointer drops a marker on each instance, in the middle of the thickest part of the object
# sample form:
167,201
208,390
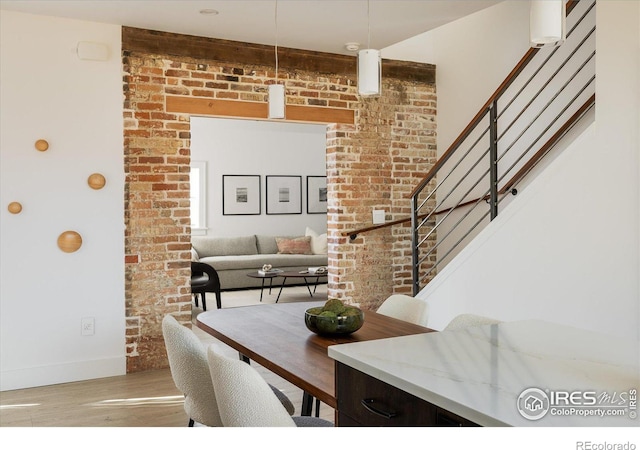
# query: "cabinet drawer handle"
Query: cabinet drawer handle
368,404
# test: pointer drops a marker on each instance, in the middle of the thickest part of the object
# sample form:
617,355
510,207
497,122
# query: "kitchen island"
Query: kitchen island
525,373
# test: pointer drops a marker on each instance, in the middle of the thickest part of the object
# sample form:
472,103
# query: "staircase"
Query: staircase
548,92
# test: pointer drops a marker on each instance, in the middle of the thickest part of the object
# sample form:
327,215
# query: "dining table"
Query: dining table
276,337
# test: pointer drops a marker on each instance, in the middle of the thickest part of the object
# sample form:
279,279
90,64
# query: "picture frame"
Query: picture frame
316,194
284,194
241,195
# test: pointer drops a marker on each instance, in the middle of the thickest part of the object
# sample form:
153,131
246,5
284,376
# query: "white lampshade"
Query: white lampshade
547,23
276,101
369,72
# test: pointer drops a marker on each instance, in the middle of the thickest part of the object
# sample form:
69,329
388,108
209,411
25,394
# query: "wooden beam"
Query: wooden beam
256,110
409,71
211,107
300,113
232,52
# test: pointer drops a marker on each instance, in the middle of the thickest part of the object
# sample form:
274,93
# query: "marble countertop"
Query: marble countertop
481,373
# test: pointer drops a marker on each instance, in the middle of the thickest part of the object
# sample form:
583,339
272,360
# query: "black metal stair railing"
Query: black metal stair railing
549,88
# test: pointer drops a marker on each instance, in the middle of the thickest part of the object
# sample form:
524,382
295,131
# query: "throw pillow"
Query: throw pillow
318,242
194,255
296,246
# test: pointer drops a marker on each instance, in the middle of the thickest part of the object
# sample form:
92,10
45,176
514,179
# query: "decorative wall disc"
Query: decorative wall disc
96,181
15,207
69,241
42,145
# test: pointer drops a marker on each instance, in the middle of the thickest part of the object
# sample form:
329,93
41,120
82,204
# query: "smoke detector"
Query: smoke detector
352,46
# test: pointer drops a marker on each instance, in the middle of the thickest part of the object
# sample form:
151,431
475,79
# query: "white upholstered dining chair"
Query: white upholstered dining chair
469,320
405,307
244,397
190,372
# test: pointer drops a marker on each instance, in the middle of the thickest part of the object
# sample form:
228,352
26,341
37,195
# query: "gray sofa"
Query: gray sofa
235,257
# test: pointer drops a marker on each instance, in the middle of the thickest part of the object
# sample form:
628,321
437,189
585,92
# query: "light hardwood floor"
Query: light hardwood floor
145,399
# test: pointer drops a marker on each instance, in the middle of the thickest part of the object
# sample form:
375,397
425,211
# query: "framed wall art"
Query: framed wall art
241,195
284,194
316,195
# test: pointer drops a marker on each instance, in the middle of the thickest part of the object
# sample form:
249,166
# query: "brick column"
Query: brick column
157,237
376,165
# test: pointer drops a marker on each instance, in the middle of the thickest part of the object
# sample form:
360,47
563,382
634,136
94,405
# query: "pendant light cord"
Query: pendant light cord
368,24
276,46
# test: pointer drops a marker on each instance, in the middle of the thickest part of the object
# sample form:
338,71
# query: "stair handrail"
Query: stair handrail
456,143
475,121
489,111
506,83
509,186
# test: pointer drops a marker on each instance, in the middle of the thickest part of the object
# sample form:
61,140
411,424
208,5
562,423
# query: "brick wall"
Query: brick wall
157,242
377,163
374,162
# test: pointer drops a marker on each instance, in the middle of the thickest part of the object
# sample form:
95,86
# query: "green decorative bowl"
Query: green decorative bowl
337,325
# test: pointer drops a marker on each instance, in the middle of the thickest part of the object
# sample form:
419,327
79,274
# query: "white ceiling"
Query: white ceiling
319,25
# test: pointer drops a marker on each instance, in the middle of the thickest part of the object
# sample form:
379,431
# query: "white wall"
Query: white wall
47,92
567,249
251,147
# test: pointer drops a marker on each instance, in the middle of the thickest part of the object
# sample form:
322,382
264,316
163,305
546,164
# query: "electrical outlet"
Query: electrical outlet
378,216
87,326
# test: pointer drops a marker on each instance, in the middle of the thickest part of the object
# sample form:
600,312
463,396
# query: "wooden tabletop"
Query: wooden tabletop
275,336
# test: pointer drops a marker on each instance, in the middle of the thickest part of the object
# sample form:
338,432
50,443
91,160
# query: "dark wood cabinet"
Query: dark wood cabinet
367,401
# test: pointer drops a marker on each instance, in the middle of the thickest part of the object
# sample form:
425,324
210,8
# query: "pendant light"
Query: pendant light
369,66
276,91
547,23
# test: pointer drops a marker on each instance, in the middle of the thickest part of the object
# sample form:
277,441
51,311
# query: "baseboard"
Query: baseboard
61,373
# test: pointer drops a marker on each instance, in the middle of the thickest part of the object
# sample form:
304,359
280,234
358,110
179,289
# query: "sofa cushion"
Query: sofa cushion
224,246
318,242
267,244
295,246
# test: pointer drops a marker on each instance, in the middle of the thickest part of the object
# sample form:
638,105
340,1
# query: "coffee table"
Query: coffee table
304,275
270,276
